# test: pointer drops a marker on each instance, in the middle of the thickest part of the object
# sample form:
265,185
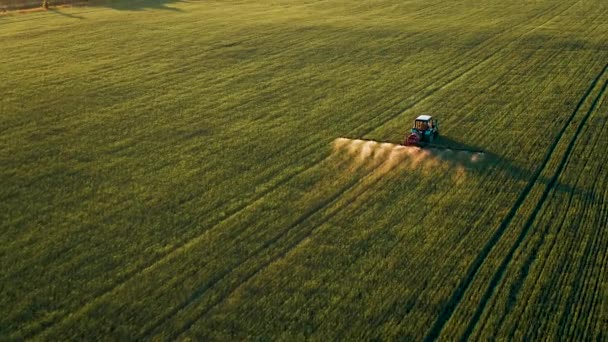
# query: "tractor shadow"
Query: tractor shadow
501,164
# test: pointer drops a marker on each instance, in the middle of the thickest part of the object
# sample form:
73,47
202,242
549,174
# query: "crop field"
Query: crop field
230,170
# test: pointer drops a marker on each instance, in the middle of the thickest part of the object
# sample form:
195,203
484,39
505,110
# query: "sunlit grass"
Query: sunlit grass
172,173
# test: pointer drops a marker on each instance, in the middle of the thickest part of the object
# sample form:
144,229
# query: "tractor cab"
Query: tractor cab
425,130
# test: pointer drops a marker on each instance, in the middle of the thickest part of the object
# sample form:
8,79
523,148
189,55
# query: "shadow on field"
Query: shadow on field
25,6
136,5
65,14
505,165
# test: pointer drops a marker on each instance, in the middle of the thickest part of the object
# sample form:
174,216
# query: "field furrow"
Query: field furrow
521,200
577,205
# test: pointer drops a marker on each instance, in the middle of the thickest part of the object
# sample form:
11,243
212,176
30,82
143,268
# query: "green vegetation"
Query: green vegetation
175,170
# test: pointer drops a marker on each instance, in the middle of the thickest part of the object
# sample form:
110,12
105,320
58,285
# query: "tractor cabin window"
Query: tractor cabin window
421,125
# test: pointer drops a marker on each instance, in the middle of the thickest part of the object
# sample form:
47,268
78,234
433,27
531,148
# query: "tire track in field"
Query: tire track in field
275,187
300,43
395,109
456,297
498,275
327,203
581,241
538,88
440,73
516,287
597,300
545,86
389,223
555,279
135,61
425,96
591,252
469,69
602,261
196,295
578,297
182,246
380,320
148,266
309,148
397,242
287,178
291,246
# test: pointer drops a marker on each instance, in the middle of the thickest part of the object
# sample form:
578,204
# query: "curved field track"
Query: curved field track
223,170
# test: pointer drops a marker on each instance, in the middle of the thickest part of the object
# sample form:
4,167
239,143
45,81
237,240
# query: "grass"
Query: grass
175,173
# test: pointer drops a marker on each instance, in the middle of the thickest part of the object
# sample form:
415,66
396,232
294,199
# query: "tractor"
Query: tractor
425,130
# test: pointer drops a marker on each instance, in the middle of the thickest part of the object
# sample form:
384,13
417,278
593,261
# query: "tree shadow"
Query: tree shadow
136,5
121,5
65,14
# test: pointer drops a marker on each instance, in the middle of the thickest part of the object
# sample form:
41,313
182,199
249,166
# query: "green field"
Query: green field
193,169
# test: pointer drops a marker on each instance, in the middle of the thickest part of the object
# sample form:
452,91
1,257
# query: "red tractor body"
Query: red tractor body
425,130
